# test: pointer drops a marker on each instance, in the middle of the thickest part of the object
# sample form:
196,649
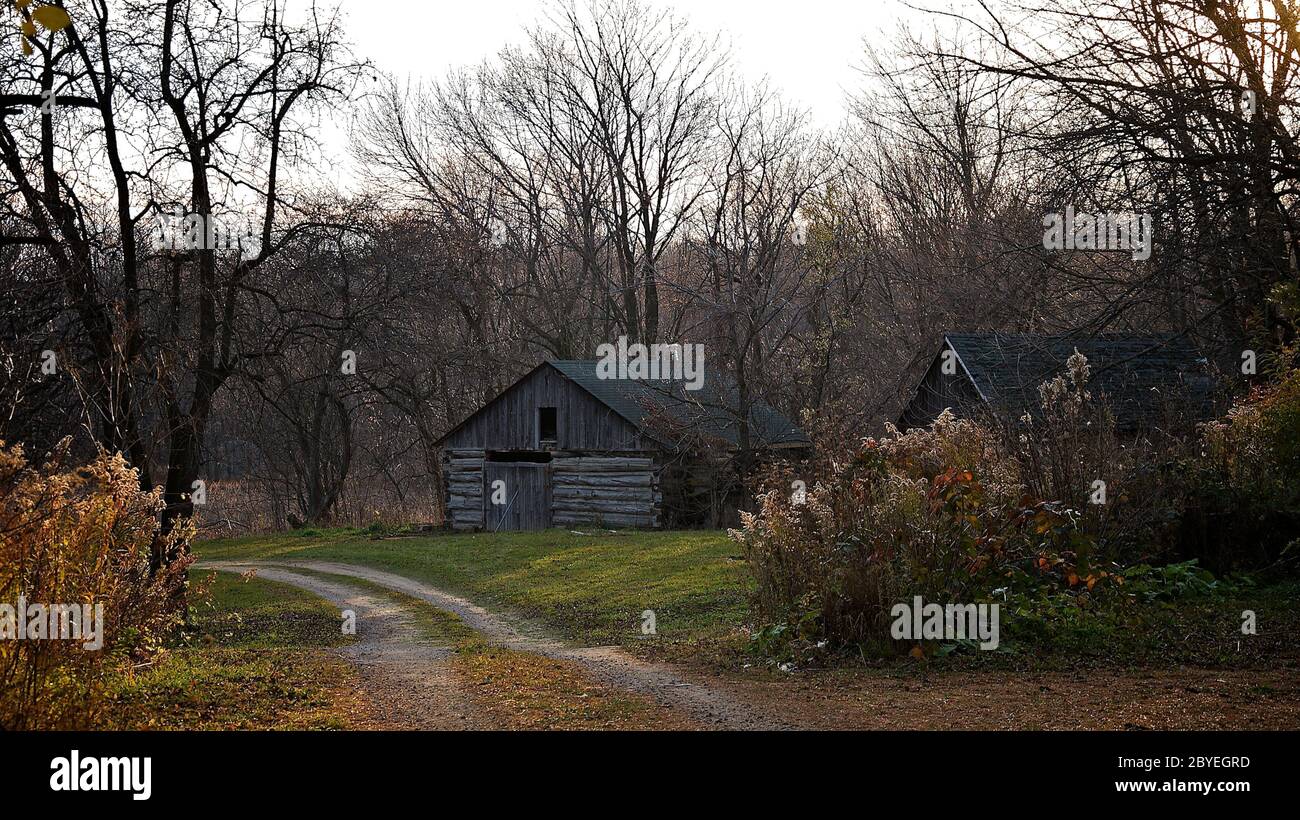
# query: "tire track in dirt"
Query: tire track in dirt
410,683
668,686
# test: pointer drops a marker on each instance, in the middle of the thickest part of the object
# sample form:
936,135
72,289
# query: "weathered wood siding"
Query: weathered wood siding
602,472
464,472
572,490
611,491
938,391
509,422
527,496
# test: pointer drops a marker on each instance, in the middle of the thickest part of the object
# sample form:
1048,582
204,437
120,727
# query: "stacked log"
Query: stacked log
464,471
615,491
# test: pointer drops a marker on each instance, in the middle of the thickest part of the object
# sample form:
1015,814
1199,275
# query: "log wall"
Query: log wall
578,490
609,490
464,471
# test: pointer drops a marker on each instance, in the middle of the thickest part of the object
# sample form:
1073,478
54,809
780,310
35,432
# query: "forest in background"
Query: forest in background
612,175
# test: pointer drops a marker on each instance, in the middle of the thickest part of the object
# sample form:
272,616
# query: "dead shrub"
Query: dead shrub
79,535
950,512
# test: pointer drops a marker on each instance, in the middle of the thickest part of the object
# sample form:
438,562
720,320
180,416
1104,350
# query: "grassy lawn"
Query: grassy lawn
254,660
592,589
260,614
589,588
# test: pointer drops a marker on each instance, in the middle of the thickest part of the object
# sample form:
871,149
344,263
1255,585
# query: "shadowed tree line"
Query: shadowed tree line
611,175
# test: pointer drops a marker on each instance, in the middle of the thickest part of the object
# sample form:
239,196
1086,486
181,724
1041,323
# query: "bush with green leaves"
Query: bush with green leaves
1242,507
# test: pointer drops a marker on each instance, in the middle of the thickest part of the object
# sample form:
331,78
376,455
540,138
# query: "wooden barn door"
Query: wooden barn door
527,496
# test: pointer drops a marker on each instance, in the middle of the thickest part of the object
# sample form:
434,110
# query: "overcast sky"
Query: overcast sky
807,48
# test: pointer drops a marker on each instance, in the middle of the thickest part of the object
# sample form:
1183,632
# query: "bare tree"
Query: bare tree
1186,109
192,105
748,242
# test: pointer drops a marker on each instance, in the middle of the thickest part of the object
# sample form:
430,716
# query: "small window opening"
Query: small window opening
546,424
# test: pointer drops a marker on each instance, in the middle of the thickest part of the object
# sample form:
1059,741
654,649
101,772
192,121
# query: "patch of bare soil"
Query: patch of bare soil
1092,699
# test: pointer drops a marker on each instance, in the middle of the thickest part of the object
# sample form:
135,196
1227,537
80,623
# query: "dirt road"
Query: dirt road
401,674
409,683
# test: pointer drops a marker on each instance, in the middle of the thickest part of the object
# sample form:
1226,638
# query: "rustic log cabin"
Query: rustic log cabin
563,447
1146,381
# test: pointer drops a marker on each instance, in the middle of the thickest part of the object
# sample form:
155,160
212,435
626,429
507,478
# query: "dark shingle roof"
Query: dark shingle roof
666,411
1139,377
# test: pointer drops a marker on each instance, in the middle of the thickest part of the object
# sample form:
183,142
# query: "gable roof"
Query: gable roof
1138,376
649,403
665,411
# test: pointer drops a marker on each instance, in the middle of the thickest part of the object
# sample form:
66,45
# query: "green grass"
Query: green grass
591,589
218,688
262,614
254,659
436,626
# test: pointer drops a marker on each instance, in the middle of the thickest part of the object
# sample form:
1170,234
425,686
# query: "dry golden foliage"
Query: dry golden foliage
79,535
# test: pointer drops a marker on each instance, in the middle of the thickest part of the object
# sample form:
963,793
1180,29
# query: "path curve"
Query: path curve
410,683
709,705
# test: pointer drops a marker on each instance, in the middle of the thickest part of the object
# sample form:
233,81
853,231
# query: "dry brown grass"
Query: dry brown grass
523,690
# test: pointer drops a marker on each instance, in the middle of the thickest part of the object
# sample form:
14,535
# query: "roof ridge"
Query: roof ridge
628,398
